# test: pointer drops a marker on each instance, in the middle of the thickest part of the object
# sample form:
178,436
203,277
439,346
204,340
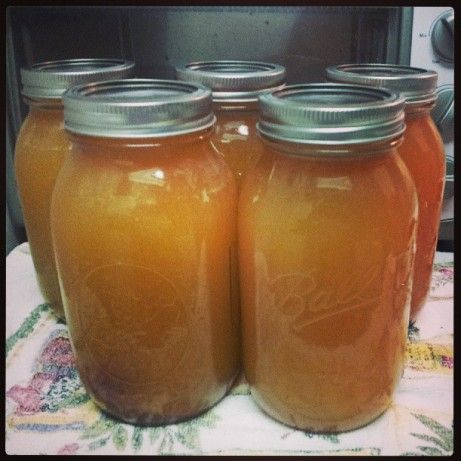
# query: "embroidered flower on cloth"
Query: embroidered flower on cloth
68,449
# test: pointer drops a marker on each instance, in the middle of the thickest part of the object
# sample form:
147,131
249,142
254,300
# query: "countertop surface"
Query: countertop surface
49,412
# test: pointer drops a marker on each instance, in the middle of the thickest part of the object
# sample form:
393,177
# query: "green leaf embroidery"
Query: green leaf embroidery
119,437
65,393
100,427
443,441
413,331
137,438
188,435
71,401
27,326
98,443
431,451
438,266
443,432
209,419
333,438
167,443
155,433
435,440
75,400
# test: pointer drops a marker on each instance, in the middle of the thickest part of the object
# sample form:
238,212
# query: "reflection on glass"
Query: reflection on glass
234,131
341,183
154,176
243,130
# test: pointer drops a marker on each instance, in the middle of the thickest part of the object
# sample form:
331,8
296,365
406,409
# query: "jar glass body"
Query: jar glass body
41,147
326,247
424,155
142,231
235,136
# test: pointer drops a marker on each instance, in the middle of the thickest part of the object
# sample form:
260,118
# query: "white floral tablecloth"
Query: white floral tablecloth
49,412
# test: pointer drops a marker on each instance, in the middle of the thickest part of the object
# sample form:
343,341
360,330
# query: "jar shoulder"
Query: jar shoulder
41,132
422,135
337,187
154,176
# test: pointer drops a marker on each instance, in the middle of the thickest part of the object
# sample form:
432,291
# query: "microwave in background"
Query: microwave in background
304,39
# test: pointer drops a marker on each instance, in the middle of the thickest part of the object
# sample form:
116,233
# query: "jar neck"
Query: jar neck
345,152
44,104
240,106
113,144
418,110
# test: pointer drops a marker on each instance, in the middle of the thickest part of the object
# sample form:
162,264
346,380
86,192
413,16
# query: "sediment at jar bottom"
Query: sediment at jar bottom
155,387
134,409
305,423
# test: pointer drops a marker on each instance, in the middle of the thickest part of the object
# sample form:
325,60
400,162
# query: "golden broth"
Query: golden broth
143,231
326,248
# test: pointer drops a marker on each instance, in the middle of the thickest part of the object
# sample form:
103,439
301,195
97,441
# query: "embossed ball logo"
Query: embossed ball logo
132,322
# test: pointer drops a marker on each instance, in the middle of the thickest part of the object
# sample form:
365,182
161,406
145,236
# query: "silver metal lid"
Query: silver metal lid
137,108
234,80
49,80
331,114
417,86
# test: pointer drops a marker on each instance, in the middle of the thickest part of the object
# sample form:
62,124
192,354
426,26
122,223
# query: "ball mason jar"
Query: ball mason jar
235,87
143,216
422,151
327,222
40,150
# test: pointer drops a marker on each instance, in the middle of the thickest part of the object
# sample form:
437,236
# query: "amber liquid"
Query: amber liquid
143,231
41,148
235,137
236,140
423,153
326,247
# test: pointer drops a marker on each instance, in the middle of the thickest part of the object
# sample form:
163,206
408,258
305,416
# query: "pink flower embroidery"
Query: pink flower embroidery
59,352
68,449
447,361
447,272
29,398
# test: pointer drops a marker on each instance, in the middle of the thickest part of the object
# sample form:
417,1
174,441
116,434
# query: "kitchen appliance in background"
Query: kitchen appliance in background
433,48
160,38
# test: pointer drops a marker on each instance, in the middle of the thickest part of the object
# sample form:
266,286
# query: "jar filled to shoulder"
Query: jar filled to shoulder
235,87
41,147
422,151
143,219
327,223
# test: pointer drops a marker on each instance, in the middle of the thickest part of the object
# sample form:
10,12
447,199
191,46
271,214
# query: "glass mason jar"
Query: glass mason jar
327,223
235,87
40,150
422,151
143,216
